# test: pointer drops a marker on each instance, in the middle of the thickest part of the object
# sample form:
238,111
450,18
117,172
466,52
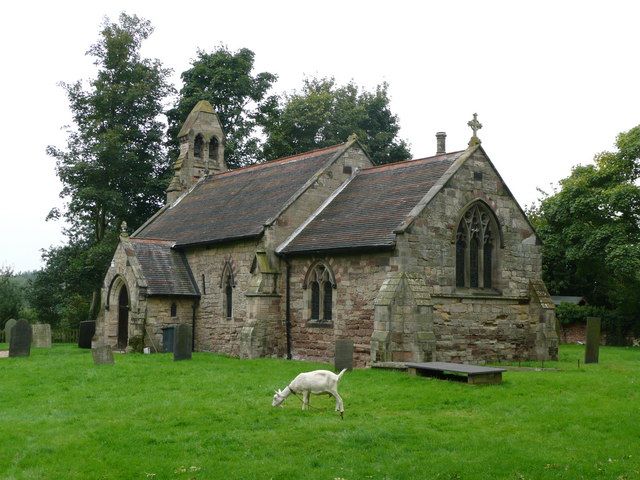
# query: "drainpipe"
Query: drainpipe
287,319
194,305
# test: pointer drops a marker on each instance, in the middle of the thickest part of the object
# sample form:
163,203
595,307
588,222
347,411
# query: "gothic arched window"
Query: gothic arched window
213,149
197,146
227,284
476,238
228,298
320,283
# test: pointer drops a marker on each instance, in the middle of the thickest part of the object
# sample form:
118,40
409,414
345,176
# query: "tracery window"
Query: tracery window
320,283
476,238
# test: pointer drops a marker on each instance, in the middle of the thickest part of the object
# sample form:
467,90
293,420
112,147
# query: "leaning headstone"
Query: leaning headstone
344,355
21,337
593,340
182,342
86,333
7,329
41,335
102,354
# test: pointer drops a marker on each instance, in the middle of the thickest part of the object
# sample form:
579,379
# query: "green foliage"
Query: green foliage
11,296
137,343
568,313
113,168
62,291
325,114
240,99
148,417
591,231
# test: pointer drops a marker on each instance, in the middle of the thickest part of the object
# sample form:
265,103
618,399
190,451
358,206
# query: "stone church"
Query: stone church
424,260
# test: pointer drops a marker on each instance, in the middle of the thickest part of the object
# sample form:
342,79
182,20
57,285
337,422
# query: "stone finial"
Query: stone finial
475,126
123,229
352,138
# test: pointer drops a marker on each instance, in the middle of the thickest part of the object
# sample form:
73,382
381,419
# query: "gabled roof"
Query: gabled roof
368,210
202,107
237,204
165,269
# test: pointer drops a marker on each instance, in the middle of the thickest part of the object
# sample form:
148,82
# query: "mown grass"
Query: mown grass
148,417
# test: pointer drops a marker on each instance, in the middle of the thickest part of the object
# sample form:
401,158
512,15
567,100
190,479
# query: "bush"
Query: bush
568,313
619,326
137,343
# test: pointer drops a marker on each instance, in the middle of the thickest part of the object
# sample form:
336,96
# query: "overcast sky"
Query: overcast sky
553,82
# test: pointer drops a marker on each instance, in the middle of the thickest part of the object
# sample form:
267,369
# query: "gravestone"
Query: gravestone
593,340
344,355
86,333
41,335
21,337
7,329
102,354
182,342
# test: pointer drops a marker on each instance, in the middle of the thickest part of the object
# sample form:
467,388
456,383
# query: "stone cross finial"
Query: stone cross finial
123,229
353,137
475,126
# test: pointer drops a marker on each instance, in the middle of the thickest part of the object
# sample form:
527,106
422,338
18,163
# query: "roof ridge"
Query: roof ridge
390,166
279,161
152,240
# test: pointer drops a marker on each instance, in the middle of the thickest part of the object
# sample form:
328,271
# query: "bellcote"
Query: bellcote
201,142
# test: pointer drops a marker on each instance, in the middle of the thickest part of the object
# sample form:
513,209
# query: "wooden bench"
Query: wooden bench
472,374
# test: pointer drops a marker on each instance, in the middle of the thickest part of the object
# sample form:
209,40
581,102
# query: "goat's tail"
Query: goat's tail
340,374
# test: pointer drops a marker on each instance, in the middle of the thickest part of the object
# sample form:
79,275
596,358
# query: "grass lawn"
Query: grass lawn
148,417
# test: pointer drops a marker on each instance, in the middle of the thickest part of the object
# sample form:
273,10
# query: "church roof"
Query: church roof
368,211
165,269
237,204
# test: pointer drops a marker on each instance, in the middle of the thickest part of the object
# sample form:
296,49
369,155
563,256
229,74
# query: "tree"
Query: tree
240,98
10,296
591,230
325,114
114,167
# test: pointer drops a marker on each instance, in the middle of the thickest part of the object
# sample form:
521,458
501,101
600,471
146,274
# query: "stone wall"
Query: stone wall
477,325
214,331
358,280
429,244
124,272
159,315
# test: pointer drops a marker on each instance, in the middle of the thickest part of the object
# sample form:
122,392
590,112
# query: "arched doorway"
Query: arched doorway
123,318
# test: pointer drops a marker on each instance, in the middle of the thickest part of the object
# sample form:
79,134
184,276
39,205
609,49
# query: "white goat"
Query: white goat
317,382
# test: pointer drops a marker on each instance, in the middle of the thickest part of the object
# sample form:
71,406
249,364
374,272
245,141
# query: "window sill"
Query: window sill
482,294
319,323
477,292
